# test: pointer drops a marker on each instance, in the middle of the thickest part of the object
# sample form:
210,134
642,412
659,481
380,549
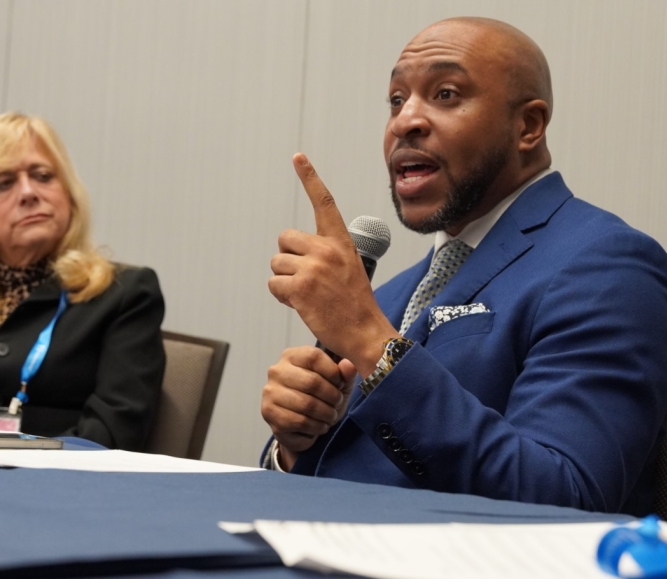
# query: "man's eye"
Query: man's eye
395,101
445,94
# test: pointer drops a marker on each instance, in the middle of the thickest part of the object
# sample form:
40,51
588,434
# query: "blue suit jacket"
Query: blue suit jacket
557,395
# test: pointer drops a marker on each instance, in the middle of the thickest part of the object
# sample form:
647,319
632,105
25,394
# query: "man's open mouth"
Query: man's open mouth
409,171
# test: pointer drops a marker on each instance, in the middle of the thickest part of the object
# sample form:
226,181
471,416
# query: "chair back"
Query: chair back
189,389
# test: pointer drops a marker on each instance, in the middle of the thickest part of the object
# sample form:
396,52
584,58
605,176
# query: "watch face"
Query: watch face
397,348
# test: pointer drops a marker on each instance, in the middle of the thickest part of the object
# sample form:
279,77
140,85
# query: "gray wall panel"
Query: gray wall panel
6,7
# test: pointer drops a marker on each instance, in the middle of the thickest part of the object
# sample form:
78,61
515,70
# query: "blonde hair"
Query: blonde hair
81,270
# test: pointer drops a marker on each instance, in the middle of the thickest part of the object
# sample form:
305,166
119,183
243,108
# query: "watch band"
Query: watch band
394,350
368,384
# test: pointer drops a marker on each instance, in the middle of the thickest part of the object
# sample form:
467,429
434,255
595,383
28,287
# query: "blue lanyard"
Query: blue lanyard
38,352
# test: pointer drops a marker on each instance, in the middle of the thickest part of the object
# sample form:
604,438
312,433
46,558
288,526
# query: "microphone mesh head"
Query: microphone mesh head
371,236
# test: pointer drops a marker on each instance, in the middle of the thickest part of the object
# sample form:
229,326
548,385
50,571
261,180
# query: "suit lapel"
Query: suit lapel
505,243
48,291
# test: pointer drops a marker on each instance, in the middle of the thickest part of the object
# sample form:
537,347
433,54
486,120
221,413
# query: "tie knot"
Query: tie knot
450,257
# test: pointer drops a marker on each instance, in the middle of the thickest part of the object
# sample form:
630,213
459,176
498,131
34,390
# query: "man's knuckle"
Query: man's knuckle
310,172
309,406
313,355
273,374
301,423
326,199
322,428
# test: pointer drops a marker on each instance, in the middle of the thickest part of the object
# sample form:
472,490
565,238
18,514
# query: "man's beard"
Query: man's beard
464,195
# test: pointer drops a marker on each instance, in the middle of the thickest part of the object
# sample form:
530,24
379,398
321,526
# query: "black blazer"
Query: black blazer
102,375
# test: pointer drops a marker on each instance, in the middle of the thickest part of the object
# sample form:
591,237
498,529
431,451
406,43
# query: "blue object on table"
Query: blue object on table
642,543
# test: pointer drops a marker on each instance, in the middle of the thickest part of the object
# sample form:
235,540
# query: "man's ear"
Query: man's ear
534,117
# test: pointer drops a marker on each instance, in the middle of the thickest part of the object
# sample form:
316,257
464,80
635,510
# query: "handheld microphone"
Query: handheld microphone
372,238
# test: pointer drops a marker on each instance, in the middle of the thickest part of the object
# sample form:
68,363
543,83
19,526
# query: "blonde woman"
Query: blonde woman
80,346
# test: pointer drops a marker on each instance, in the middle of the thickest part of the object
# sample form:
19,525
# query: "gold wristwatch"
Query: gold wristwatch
394,350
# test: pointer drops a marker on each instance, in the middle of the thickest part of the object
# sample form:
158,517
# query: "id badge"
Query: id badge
10,422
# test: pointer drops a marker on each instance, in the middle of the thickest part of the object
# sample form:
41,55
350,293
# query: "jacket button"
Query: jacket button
417,468
406,456
394,443
384,430
4,349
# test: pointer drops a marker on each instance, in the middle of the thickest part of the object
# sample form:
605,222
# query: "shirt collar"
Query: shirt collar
473,233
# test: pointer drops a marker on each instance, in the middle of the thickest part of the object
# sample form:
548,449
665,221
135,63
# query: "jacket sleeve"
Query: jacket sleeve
583,412
120,411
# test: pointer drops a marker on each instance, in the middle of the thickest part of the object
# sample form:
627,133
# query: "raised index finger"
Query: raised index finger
328,219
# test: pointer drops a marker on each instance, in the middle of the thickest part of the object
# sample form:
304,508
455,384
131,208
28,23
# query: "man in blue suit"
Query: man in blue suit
538,370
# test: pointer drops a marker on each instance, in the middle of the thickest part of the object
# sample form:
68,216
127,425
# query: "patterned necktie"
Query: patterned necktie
445,264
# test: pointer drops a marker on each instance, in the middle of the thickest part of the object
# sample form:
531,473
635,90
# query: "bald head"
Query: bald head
526,68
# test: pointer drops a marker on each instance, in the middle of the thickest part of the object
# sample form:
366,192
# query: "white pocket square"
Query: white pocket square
441,314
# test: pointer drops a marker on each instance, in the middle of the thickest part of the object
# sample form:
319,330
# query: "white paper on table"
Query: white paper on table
110,461
435,551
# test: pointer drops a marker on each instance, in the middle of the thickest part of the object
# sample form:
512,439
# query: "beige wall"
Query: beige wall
182,116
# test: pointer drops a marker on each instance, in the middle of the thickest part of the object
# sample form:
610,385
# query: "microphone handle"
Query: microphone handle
369,266
335,357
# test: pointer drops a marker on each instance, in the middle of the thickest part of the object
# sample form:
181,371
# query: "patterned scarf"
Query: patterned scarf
16,283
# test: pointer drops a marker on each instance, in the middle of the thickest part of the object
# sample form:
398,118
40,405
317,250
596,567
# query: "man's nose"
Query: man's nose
412,120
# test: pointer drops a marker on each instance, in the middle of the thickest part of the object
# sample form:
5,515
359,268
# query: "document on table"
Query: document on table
110,461
434,551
